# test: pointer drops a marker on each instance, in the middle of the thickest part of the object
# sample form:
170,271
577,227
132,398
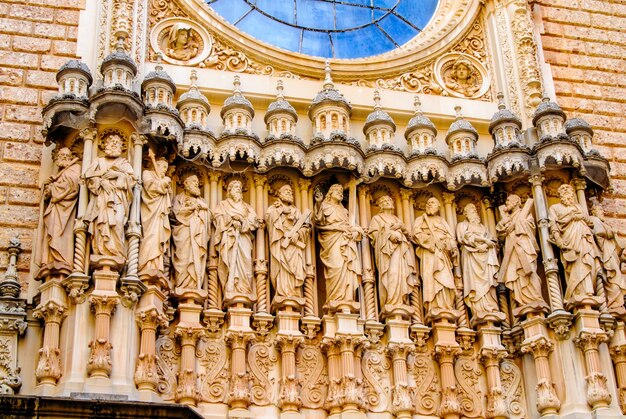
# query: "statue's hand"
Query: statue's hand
237,225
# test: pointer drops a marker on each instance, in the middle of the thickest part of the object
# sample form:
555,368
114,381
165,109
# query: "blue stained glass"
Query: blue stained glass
329,28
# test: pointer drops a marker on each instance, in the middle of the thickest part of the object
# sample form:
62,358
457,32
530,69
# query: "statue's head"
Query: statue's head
285,194
161,166
566,193
471,213
597,210
513,201
385,203
432,206
192,185
113,145
335,192
462,70
63,157
179,35
235,190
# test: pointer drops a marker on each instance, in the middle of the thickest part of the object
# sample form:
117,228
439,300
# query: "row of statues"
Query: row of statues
182,229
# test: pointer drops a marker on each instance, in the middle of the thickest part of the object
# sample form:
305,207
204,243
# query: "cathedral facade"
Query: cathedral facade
312,209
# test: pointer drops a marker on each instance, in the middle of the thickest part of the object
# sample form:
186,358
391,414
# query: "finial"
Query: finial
158,66
377,99
279,90
120,44
501,104
328,80
545,98
193,77
457,109
237,84
417,105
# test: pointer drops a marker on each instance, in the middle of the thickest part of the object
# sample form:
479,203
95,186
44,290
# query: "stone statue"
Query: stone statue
479,263
288,231
191,225
181,45
436,250
338,251
570,230
61,193
235,221
156,204
462,78
111,180
394,256
519,261
609,253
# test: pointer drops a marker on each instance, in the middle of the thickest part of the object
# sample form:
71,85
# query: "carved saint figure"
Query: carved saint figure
156,204
339,254
436,250
615,282
61,193
570,229
181,45
519,260
479,262
394,256
462,78
288,232
191,226
235,221
111,180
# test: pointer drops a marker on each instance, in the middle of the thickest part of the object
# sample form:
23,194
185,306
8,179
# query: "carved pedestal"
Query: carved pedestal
189,330
288,339
491,353
446,350
238,335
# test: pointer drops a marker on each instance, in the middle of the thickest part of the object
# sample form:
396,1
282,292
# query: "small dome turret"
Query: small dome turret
74,78
461,137
580,131
549,119
505,126
118,68
420,132
280,117
379,128
330,111
158,88
237,111
193,106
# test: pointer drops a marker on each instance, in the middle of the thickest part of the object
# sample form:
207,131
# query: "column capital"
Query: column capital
588,341
214,176
188,335
239,339
448,198
88,134
259,180
536,180
540,347
50,312
447,353
406,194
579,183
304,184
138,139
400,350
103,304
150,319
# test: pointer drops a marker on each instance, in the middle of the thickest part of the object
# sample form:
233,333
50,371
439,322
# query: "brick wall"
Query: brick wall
584,41
36,38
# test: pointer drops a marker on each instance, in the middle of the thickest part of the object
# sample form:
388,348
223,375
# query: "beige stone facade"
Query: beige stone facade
426,255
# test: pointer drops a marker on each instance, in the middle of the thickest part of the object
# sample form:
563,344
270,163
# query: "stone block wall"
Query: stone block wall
36,38
584,41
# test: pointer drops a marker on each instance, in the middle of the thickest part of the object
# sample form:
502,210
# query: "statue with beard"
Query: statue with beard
61,193
570,230
479,262
235,221
111,180
190,233
288,234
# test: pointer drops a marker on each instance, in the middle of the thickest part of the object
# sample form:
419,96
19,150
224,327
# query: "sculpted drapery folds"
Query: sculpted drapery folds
156,204
235,220
339,254
570,231
479,262
519,261
111,180
61,193
615,281
394,256
191,226
288,234
436,250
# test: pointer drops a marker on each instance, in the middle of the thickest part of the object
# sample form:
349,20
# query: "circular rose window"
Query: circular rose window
341,29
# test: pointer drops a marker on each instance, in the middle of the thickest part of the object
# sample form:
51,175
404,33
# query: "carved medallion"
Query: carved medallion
462,75
181,41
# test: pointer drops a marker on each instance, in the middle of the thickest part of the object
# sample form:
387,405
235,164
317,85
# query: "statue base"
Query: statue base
239,319
533,307
195,295
53,269
581,301
398,330
288,322
486,318
334,306
294,303
342,323
402,310
233,299
154,277
436,314
113,263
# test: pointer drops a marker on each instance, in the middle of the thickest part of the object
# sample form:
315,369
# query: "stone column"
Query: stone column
490,222
103,306
450,407
213,316
559,319
496,403
309,281
402,401
239,395
598,395
407,208
48,370
580,185
289,399
334,395
351,391
146,376
618,355
187,391
366,255
260,264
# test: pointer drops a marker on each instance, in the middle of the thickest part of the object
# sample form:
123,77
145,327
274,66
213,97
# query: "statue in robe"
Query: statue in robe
609,254
191,225
394,256
235,221
61,194
156,204
570,230
338,239
110,180
288,233
518,270
437,252
479,263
